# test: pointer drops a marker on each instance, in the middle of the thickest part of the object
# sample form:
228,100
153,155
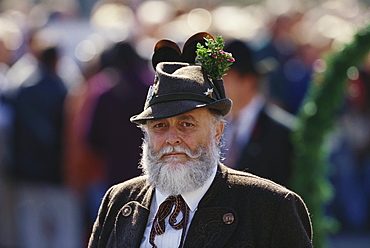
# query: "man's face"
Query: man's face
189,130
179,153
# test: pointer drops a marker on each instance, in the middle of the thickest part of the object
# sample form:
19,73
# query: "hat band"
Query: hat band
180,97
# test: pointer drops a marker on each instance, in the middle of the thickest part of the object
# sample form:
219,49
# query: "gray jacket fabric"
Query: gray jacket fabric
238,210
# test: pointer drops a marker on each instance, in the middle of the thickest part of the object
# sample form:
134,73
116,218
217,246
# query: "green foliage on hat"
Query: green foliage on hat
213,59
315,119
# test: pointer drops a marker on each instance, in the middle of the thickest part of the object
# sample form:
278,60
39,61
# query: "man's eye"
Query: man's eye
187,124
159,125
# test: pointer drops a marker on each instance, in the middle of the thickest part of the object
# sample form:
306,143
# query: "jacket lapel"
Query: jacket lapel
131,222
132,225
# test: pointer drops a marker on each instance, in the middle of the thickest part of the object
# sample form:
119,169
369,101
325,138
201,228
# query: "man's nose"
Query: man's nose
173,136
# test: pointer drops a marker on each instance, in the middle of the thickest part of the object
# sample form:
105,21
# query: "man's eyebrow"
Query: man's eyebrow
186,117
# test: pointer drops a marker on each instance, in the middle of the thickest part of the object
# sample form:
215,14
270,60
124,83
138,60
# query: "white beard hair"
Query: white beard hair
182,177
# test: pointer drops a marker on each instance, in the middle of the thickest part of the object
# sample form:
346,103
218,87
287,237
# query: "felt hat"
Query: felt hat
181,85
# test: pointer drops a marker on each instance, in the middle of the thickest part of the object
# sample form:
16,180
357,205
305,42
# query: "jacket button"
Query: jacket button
126,211
228,218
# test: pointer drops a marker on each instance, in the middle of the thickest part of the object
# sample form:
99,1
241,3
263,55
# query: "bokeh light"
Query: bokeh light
114,20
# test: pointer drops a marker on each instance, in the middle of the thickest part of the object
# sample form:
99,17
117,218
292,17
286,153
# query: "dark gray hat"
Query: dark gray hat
181,87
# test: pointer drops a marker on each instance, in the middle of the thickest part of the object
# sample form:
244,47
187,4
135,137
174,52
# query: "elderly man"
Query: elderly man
186,197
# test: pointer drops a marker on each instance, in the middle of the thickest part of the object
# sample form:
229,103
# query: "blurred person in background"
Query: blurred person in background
88,155
111,135
46,213
257,134
82,164
110,129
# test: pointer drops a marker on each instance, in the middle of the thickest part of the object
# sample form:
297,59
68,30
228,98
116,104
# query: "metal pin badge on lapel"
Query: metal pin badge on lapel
126,211
228,218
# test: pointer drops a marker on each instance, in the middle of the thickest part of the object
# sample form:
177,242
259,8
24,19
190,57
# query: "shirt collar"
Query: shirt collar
191,198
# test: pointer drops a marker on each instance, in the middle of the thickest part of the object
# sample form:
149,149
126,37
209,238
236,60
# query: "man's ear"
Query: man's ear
220,125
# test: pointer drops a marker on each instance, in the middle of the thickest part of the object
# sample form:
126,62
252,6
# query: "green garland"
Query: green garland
315,119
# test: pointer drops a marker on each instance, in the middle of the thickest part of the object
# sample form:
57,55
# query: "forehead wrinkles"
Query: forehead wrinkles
187,118
176,118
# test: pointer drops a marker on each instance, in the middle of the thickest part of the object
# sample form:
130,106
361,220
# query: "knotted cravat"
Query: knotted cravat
164,210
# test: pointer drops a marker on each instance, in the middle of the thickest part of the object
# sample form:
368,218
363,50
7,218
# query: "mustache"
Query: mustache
169,149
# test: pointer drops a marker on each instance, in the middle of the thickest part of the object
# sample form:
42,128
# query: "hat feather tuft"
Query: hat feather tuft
168,51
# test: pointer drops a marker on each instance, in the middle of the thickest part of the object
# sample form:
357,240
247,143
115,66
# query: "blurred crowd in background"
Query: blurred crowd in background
72,72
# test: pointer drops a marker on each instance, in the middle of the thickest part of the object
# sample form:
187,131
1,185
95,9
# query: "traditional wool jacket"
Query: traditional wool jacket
238,210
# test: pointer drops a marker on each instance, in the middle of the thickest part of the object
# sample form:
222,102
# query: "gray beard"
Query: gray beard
174,177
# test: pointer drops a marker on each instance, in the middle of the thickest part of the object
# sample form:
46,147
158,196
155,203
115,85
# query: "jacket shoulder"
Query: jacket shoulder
130,189
248,179
253,186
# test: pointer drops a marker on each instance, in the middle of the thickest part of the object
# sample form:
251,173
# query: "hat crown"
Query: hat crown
187,78
180,81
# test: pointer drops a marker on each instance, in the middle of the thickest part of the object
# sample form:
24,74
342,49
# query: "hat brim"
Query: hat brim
169,109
